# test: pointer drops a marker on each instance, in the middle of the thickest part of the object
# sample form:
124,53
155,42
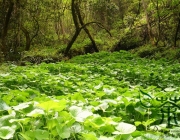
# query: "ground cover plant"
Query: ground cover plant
94,96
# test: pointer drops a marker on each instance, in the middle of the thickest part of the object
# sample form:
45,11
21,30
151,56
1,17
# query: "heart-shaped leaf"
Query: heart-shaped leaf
124,128
7,132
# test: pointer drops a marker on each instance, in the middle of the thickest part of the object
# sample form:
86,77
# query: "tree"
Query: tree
147,15
177,31
77,18
9,7
80,25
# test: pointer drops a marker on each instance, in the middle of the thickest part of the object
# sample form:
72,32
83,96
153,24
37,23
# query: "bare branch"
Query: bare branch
99,25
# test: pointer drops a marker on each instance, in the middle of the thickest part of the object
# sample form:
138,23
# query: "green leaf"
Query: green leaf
148,122
108,91
124,137
36,113
63,131
6,132
137,123
126,101
103,106
4,120
125,128
23,120
105,138
53,105
51,123
24,136
22,106
151,136
98,121
41,134
76,128
169,89
29,134
3,105
141,110
79,114
78,97
89,136
107,128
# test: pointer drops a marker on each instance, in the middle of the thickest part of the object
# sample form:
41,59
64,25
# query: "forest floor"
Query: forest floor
55,54
99,96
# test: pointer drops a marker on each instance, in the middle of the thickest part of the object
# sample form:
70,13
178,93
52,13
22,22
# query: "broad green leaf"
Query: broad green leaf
51,123
4,120
151,136
23,120
98,121
78,97
3,105
22,106
124,128
63,131
66,117
89,136
107,128
53,105
169,89
137,123
103,106
110,101
108,91
158,127
126,101
137,133
141,110
124,137
79,114
105,138
35,113
41,134
99,87
76,128
6,132
148,122
24,136
29,134
99,93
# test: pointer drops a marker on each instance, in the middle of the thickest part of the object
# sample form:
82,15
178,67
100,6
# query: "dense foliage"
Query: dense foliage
49,23
95,96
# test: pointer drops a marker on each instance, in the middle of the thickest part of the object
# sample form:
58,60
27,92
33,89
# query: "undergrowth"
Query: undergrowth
94,96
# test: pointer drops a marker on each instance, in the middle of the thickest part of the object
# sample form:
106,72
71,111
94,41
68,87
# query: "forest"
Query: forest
71,27
90,70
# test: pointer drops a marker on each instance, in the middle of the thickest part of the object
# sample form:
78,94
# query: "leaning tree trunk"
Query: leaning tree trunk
78,30
78,20
85,29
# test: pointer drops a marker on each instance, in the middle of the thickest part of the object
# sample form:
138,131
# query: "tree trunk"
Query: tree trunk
78,20
159,23
145,5
28,40
4,48
27,35
85,29
75,20
176,32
